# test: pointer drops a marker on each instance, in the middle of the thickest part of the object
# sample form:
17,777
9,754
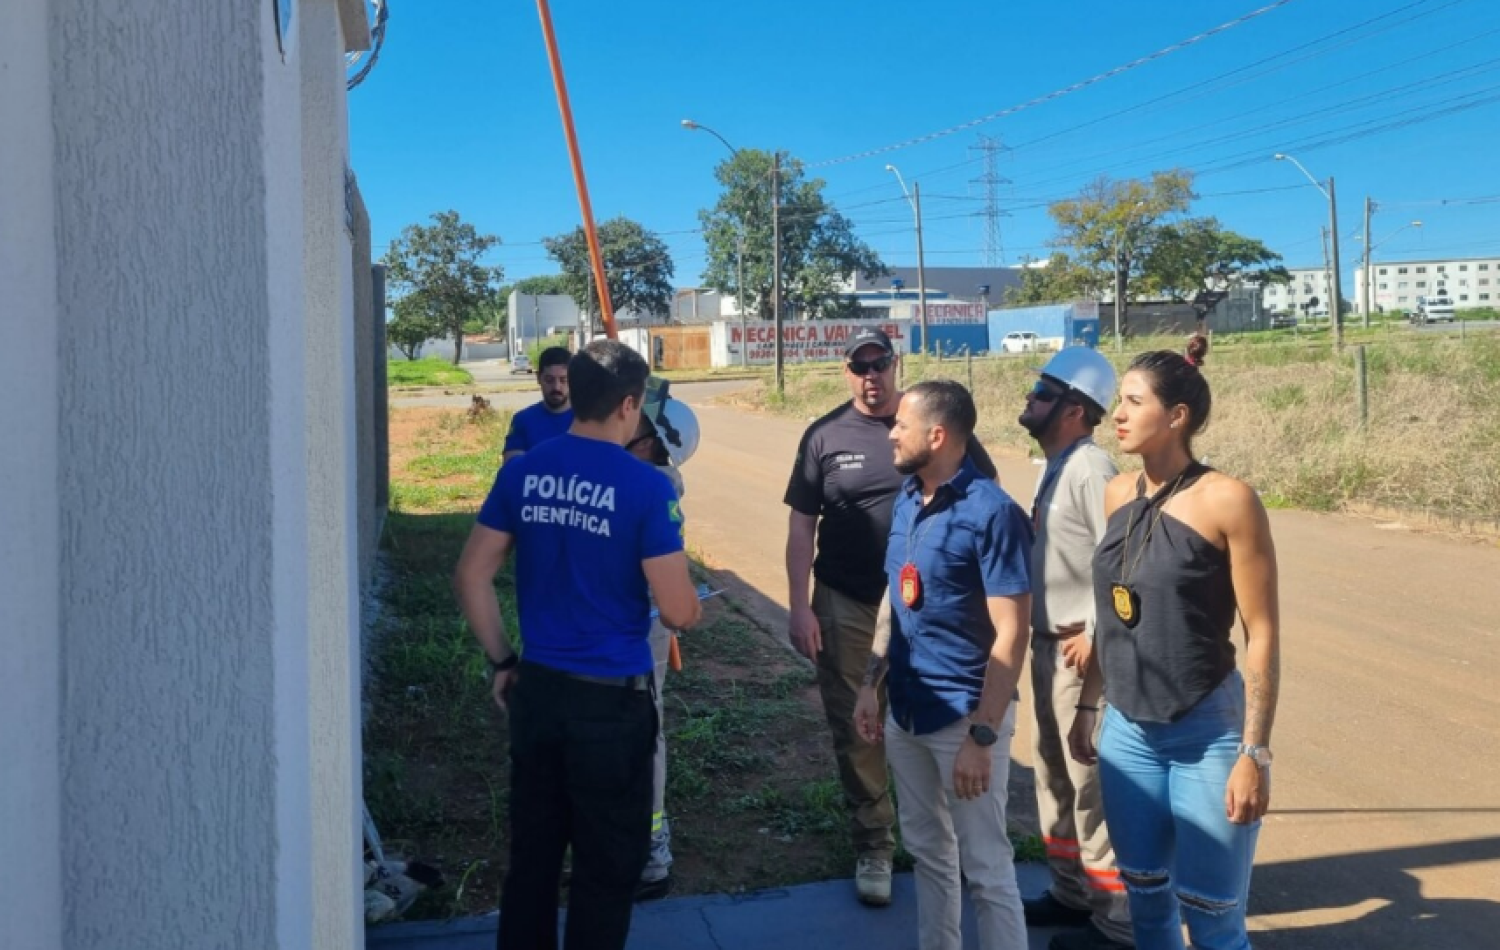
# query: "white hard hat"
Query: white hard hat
1085,371
677,426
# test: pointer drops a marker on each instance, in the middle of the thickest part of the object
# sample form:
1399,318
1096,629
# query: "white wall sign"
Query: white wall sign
941,312
802,342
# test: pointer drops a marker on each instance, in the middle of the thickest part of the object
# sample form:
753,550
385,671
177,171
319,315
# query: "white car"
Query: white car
1435,309
1020,341
520,363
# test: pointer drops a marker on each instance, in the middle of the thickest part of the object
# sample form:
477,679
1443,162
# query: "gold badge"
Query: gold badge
1127,604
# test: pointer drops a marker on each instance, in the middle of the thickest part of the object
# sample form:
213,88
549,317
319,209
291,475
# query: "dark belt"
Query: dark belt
1059,637
640,682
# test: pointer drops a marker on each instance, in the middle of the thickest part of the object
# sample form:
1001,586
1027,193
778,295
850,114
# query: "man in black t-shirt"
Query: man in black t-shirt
841,492
843,485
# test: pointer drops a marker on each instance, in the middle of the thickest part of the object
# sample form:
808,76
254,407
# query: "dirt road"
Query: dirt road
1385,830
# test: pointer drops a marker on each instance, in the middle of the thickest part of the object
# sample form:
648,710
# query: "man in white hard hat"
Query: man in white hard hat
666,439
1068,402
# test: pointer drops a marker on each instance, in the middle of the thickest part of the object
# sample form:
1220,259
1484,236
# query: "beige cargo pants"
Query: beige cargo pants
1071,809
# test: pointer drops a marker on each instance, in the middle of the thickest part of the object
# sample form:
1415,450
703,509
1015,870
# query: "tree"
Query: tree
496,314
820,251
436,268
411,328
1183,257
1107,225
1054,280
542,284
637,267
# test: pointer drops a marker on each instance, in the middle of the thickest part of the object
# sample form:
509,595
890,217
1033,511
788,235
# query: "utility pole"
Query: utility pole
1365,293
916,193
776,270
1327,269
1336,308
1119,299
739,263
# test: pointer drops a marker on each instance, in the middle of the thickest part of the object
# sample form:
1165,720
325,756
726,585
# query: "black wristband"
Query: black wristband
1089,708
509,663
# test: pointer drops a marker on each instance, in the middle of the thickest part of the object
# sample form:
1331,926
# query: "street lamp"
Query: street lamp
1336,308
914,197
739,258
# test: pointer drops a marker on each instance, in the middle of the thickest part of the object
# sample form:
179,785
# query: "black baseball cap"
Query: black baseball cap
867,336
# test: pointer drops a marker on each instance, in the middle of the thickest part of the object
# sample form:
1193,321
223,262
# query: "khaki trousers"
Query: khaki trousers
948,836
848,629
1069,803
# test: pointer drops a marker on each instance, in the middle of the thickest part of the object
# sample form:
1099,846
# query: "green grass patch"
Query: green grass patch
424,497
428,371
481,465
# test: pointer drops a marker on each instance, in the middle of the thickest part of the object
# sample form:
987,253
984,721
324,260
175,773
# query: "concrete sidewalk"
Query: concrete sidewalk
821,916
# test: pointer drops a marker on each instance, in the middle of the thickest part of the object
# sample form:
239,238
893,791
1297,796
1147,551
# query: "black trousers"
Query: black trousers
580,775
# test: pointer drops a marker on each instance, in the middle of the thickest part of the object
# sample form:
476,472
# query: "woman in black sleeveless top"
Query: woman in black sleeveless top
1184,757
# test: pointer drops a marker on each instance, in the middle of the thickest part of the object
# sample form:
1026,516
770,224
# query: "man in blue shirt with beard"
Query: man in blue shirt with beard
959,604
546,419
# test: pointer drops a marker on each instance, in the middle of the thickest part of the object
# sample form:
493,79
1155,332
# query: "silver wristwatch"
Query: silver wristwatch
1260,754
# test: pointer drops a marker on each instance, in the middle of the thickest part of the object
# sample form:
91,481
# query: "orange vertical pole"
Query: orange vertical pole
591,233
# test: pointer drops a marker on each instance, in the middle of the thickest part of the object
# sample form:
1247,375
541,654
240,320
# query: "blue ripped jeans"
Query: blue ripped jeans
1163,787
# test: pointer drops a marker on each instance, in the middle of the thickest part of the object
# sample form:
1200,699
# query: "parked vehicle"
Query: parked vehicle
1435,309
520,363
1020,341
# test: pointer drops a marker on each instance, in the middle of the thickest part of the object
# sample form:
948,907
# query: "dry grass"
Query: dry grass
1286,420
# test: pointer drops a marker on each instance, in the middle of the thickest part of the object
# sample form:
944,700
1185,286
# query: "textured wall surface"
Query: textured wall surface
31,888
184,700
382,403
366,396
333,522
284,250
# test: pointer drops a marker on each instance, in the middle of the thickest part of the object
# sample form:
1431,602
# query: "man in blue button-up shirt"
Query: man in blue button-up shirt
959,601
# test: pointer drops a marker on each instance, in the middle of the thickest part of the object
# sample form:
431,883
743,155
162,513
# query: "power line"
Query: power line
1057,93
1151,104
1481,200
1416,115
1213,80
1256,154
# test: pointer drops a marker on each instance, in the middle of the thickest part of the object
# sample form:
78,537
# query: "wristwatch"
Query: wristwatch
509,663
1259,754
983,735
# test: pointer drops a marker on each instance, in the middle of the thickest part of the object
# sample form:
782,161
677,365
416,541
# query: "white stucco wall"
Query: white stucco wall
292,585
185,731
30,791
168,780
332,524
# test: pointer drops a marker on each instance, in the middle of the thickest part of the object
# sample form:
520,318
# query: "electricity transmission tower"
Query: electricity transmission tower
990,180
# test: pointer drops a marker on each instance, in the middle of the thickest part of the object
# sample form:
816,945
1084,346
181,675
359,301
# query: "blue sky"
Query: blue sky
460,113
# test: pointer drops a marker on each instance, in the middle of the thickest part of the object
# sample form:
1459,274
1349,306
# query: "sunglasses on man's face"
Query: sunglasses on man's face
880,364
1042,392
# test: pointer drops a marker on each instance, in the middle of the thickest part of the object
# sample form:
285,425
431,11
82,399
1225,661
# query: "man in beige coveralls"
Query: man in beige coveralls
1062,411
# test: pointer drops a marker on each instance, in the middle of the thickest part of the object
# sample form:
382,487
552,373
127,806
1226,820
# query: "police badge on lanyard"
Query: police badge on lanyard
911,585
